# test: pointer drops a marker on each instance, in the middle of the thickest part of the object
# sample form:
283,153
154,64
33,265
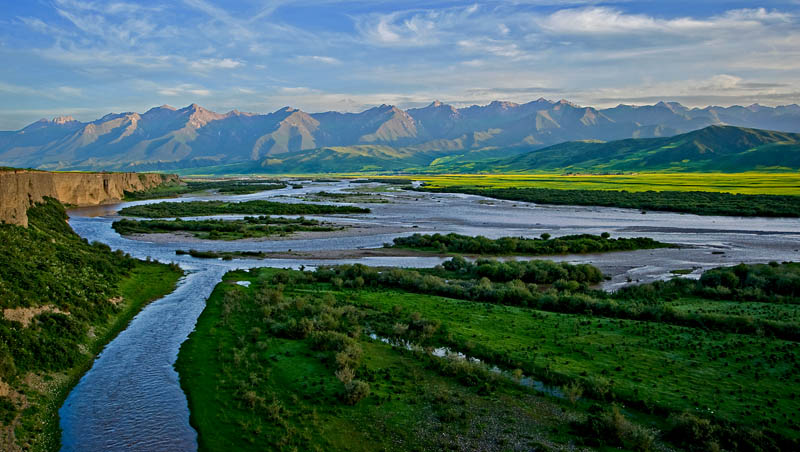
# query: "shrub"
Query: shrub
611,427
355,391
573,391
692,432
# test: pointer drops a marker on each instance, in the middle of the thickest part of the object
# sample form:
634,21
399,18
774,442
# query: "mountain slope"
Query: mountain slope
719,148
167,138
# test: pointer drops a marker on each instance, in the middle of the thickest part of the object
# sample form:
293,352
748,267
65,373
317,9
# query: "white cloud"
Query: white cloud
207,64
318,59
417,28
396,30
605,20
184,90
494,47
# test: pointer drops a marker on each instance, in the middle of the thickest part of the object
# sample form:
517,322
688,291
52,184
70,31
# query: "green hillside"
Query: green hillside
345,159
715,148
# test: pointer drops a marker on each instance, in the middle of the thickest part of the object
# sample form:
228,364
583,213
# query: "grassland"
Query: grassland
252,389
741,183
272,366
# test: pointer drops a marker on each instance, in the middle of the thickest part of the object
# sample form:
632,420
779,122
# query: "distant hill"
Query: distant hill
380,138
714,148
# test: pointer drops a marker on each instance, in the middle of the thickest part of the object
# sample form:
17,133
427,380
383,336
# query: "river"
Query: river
131,398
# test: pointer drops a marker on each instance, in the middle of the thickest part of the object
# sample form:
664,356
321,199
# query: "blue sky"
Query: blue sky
88,58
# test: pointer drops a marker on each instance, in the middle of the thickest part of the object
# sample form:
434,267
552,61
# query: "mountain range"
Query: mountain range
380,138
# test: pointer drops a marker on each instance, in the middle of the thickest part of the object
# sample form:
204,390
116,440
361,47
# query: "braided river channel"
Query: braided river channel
131,398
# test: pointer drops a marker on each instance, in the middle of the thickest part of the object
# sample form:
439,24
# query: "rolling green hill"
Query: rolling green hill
714,148
346,159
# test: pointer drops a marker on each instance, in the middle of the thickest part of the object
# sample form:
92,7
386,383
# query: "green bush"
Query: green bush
355,391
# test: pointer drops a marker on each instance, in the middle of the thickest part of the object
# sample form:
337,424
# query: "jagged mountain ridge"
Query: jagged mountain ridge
165,137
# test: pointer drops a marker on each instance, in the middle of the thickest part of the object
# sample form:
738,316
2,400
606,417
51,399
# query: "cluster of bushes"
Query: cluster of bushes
533,271
695,433
771,282
609,427
48,264
231,187
258,207
388,181
512,283
517,284
236,187
224,255
578,244
696,202
759,282
328,327
248,227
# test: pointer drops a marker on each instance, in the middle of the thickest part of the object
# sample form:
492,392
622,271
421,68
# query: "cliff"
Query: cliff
20,189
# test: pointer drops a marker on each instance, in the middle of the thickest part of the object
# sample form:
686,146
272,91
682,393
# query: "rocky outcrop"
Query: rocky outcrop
20,189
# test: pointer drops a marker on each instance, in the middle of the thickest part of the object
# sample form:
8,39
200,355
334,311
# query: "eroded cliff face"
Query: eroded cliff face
20,189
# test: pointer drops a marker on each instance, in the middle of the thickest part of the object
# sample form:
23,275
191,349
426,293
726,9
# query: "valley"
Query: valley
705,242
371,226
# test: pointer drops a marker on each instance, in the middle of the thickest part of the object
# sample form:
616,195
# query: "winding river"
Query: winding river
131,398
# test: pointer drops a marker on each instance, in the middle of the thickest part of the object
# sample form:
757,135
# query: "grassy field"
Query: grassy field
768,183
745,183
780,312
297,398
257,378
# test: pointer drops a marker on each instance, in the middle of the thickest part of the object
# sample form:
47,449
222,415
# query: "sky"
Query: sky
89,58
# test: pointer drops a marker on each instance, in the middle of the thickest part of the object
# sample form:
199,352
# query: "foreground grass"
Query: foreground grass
666,367
256,377
39,428
251,390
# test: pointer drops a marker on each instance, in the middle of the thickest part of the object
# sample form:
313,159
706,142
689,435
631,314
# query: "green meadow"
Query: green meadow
347,358
785,183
